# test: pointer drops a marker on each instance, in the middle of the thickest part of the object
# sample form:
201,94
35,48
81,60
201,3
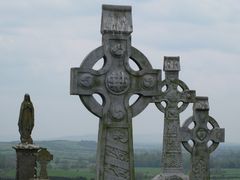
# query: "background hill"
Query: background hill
78,158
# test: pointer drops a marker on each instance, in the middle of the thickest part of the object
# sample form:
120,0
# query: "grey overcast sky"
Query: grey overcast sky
41,40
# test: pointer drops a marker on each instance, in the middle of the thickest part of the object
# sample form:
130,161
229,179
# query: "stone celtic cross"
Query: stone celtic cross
43,158
116,82
201,134
176,96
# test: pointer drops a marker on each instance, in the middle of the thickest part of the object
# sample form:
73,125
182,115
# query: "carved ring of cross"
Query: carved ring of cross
208,137
90,102
178,96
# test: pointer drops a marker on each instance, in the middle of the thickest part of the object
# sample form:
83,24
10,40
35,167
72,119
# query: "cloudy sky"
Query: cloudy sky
41,40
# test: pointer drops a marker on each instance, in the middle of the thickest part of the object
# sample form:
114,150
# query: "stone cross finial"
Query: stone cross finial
116,19
201,135
116,82
43,158
176,96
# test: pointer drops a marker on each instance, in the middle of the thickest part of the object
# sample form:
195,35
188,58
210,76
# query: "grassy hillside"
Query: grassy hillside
73,159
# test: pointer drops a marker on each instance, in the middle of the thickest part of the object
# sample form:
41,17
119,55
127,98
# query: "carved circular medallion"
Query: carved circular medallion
148,81
117,82
202,134
86,80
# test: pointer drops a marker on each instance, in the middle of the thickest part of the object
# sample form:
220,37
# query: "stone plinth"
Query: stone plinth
26,161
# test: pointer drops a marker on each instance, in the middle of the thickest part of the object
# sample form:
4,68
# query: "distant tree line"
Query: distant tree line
147,159
7,161
226,158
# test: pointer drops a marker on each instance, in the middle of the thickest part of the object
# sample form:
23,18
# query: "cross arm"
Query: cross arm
188,96
217,135
147,83
85,82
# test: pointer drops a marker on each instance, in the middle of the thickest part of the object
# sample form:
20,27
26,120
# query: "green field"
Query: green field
141,173
73,160
229,174
84,172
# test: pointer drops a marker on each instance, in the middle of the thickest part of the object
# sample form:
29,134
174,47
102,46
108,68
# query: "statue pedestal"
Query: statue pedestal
171,176
26,161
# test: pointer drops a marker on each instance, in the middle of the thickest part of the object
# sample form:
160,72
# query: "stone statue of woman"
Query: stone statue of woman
26,120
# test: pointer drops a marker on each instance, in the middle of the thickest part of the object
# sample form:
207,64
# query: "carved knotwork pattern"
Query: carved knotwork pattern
172,160
119,135
117,82
172,144
117,153
172,128
115,172
199,169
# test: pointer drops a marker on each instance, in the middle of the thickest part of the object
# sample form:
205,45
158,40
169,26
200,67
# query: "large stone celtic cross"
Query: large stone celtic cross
115,83
201,135
176,96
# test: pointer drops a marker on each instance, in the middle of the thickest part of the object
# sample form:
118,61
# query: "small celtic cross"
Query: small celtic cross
173,92
201,135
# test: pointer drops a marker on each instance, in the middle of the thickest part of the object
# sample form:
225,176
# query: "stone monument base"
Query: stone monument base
171,176
26,160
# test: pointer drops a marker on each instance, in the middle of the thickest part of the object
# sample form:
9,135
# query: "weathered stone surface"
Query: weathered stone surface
26,120
116,82
176,96
201,134
26,161
43,158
